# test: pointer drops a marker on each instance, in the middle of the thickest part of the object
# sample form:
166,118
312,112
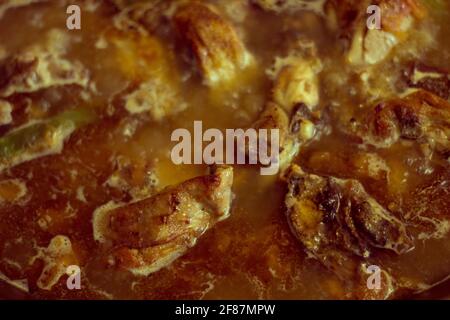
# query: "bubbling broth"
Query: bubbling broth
140,71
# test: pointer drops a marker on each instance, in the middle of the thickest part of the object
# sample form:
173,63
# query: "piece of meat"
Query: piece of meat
41,67
327,213
396,14
296,82
420,116
295,97
274,117
338,223
219,52
344,228
434,80
369,46
149,234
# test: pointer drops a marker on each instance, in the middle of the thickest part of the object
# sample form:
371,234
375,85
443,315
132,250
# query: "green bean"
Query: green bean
41,137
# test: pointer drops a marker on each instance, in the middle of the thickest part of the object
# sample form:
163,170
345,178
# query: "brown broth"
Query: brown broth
252,254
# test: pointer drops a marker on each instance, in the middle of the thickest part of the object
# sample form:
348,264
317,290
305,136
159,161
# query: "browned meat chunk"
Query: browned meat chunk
219,52
336,218
149,234
295,96
341,226
344,228
420,116
370,46
296,81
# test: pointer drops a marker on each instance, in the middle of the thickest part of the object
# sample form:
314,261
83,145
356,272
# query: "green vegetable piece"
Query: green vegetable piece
42,137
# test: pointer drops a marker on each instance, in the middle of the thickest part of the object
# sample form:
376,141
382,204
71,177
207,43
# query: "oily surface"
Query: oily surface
252,254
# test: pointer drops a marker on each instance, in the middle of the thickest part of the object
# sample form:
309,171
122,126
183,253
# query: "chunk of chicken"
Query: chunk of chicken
420,116
344,228
219,52
295,96
339,224
370,46
328,213
149,234
296,82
